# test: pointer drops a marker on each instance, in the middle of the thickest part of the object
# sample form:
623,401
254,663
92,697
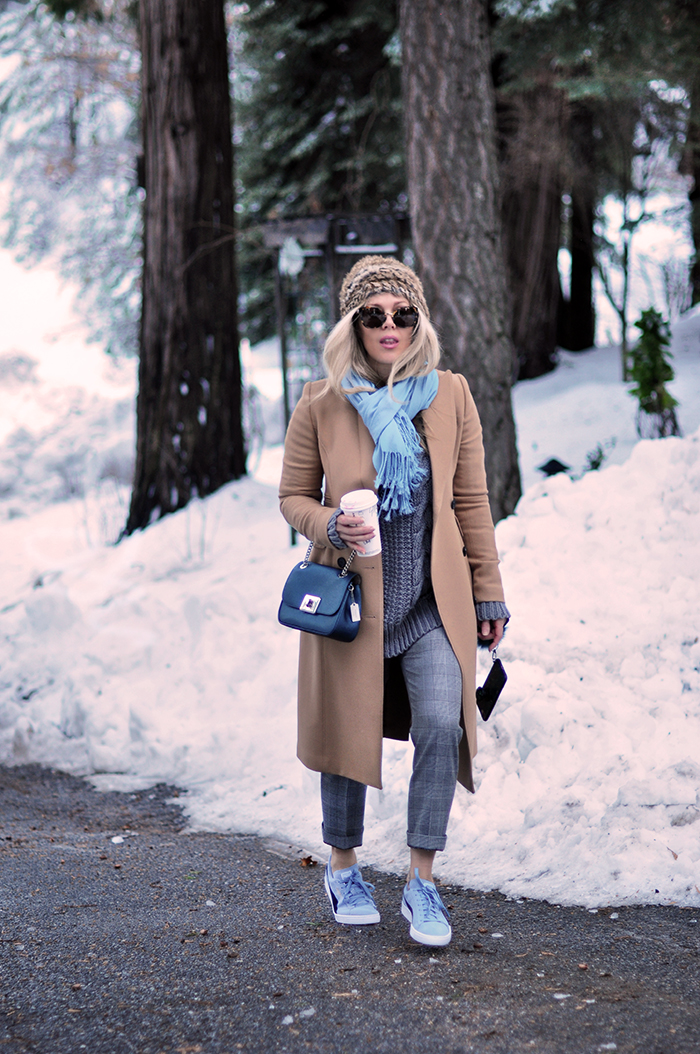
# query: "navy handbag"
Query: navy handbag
322,600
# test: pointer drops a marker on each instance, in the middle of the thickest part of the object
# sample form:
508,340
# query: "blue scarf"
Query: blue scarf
396,443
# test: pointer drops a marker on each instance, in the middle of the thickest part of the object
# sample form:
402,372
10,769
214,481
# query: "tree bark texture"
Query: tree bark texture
532,133
578,330
693,152
189,438
455,213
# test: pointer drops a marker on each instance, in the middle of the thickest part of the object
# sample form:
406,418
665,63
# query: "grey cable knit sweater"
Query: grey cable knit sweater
410,609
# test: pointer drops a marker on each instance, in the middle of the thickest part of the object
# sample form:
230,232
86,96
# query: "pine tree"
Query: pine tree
652,371
601,55
68,149
321,127
684,61
455,213
692,166
576,329
532,126
319,123
189,437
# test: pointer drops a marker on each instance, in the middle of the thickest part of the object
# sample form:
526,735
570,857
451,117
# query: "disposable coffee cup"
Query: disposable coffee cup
364,503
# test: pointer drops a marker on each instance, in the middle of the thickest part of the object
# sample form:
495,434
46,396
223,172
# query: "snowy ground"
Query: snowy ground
161,658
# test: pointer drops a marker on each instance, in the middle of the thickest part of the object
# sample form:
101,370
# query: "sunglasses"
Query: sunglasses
374,317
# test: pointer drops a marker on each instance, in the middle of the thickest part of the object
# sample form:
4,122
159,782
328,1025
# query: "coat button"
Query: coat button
453,504
464,550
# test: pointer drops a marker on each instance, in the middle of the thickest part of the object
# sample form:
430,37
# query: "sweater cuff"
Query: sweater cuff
488,610
333,536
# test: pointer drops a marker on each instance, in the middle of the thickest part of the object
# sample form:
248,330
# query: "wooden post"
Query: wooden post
280,306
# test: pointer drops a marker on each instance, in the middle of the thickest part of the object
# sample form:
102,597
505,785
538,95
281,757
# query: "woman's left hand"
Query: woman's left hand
354,532
492,631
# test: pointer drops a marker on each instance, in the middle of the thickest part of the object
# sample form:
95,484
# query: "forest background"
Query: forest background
567,106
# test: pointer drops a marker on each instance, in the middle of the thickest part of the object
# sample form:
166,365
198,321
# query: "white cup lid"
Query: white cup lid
358,499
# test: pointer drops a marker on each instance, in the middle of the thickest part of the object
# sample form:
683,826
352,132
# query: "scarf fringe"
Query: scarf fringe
398,474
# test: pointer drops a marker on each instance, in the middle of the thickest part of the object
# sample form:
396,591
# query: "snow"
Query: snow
566,414
161,659
66,410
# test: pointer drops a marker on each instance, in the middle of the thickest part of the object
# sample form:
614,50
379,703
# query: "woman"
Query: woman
387,419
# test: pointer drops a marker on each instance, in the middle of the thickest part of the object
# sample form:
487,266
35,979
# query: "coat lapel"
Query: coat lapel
366,450
441,431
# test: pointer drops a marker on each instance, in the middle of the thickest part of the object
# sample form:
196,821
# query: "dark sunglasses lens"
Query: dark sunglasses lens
406,316
372,317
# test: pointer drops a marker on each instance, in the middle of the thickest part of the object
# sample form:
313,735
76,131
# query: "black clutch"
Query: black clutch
487,695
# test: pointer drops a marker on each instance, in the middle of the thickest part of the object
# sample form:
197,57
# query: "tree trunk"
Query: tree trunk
693,154
581,309
455,213
532,167
189,438
579,328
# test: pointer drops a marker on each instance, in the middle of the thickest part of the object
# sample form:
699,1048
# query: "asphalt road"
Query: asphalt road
165,941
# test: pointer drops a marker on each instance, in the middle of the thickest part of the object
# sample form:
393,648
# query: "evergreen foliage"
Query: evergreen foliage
62,9
598,48
318,124
652,371
320,128
616,63
69,142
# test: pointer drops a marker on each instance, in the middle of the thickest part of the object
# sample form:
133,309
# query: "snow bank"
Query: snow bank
161,659
584,404
590,776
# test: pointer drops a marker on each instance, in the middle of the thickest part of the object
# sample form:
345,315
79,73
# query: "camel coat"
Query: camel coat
348,697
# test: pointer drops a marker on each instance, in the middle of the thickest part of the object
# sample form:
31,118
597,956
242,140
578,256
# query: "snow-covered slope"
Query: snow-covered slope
584,403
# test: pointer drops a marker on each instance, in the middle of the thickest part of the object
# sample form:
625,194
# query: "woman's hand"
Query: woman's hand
352,531
491,631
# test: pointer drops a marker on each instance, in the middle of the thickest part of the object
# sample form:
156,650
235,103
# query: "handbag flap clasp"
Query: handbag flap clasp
310,603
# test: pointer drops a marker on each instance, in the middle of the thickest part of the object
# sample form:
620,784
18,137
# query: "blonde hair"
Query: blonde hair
344,351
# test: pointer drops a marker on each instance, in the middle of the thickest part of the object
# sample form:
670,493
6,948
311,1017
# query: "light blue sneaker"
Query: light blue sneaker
422,906
350,897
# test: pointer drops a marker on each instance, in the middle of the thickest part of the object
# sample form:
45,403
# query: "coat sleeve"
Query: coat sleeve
472,501
301,492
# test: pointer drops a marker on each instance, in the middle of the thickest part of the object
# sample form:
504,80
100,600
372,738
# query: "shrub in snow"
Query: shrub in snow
652,371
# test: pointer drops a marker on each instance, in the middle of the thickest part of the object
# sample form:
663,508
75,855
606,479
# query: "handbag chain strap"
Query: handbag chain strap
349,560
343,573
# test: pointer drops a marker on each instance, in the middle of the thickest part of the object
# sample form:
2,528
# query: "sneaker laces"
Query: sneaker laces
356,890
430,905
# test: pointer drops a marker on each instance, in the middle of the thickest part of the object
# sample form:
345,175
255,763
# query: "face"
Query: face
385,344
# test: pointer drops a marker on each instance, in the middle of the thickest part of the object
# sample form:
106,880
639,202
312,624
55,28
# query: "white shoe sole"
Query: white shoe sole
433,940
350,920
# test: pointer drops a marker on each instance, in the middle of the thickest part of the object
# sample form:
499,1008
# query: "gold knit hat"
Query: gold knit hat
380,274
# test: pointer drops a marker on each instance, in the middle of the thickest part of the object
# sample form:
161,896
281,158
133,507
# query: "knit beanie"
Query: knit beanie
380,274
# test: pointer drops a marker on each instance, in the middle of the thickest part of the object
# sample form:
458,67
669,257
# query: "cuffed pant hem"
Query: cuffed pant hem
342,841
436,843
